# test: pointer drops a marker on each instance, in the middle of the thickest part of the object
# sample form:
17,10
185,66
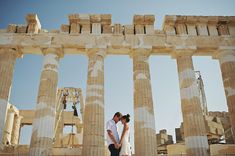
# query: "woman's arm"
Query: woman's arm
125,128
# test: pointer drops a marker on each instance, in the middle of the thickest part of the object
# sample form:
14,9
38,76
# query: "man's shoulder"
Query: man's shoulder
110,121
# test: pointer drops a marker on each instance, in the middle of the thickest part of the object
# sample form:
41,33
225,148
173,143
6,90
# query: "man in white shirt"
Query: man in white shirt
112,134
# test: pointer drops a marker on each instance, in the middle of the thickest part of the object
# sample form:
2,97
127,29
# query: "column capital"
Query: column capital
11,110
97,50
14,109
181,51
14,51
19,117
223,51
140,51
53,50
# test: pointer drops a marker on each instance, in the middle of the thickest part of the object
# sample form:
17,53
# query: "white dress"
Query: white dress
126,147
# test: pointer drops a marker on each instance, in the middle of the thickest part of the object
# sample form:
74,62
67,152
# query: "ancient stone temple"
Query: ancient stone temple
96,37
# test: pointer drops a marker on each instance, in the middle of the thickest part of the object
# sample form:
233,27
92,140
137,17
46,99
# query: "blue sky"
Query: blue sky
118,69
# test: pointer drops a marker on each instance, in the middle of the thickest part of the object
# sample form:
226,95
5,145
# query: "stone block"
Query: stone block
55,31
95,18
169,19
202,29
149,29
107,29
84,19
33,22
191,19
106,19
169,29
231,29
73,18
222,150
129,29
181,28
74,28
86,29
96,28
117,29
223,29
11,28
191,29
149,19
181,19
21,29
139,29
64,28
212,30
138,20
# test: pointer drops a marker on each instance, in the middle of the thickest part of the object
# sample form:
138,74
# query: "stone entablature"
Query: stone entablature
94,35
202,34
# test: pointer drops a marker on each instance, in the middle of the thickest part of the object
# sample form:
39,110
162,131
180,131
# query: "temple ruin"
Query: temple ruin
96,37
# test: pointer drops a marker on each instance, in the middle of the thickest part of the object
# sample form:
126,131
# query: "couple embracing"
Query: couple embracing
118,146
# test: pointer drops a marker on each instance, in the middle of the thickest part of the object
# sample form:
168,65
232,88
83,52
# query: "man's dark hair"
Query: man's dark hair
118,114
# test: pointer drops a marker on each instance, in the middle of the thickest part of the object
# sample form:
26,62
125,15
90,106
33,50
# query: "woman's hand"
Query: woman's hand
117,145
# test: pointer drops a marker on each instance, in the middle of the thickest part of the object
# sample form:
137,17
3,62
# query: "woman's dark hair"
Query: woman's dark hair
126,117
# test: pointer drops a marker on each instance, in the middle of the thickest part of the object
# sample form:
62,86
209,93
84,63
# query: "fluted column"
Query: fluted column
144,121
16,130
59,131
227,66
44,119
194,125
8,127
7,62
93,136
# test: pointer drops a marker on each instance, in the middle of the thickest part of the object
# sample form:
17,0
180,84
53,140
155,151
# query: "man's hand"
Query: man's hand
113,139
117,146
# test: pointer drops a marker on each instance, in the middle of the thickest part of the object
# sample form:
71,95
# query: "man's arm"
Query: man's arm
110,133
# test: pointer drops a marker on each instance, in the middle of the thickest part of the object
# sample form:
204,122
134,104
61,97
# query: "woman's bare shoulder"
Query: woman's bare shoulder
126,127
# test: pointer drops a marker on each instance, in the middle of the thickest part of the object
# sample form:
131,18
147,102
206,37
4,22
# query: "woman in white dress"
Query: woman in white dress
124,141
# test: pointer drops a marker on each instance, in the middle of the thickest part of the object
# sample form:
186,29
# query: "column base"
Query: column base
1,146
40,151
94,151
3,113
197,146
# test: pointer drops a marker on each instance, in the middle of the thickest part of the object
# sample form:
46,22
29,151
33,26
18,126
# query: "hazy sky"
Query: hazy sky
118,69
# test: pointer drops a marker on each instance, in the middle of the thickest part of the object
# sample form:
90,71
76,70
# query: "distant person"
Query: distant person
112,134
125,137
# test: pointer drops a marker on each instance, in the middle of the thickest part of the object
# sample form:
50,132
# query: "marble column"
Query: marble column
16,130
227,66
44,119
144,121
59,130
93,136
8,127
194,125
7,62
